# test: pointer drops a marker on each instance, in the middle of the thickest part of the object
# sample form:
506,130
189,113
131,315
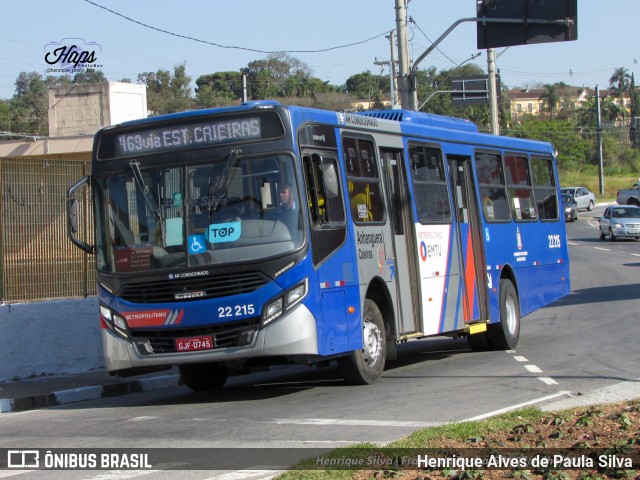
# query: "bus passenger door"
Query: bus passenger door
401,220
469,237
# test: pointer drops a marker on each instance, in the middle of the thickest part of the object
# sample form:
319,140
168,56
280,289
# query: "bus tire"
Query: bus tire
505,334
364,367
203,377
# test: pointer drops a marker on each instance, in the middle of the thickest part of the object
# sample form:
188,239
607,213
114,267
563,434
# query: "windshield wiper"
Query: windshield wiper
220,190
135,167
151,204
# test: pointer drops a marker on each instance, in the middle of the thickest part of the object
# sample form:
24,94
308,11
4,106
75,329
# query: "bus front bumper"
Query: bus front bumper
294,333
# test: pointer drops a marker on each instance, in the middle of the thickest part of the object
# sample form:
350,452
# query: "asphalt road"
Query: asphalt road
584,342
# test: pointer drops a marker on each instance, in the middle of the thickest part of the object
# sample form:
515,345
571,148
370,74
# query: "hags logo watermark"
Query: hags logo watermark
71,55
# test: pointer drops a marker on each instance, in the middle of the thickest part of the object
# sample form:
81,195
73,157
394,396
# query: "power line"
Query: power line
187,37
411,20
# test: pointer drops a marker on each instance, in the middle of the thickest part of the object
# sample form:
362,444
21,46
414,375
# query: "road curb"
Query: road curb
84,393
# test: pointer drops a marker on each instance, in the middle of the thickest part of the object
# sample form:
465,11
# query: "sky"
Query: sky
608,38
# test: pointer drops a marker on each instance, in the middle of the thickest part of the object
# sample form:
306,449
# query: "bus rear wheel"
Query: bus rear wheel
203,377
364,367
505,334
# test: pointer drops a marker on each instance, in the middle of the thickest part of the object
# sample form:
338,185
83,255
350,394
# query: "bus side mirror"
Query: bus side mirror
72,216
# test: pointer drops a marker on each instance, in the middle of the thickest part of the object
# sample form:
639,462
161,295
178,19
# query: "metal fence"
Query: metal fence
37,261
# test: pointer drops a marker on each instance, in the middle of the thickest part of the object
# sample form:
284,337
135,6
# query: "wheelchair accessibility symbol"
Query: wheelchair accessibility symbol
197,244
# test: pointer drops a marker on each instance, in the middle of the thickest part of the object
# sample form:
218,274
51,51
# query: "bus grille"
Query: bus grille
227,335
184,290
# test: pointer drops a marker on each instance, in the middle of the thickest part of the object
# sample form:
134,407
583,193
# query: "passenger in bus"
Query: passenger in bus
487,205
289,212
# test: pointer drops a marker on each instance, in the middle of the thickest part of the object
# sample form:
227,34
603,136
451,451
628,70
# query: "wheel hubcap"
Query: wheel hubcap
372,342
512,322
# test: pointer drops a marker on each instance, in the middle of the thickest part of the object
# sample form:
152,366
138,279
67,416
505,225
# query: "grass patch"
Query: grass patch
590,180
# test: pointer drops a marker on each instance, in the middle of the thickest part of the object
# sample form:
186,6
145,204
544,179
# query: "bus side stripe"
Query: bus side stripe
470,279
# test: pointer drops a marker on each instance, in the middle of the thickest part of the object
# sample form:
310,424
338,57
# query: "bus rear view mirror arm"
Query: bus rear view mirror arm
72,216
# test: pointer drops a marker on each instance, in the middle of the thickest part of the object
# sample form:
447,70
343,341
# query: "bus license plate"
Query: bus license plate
190,344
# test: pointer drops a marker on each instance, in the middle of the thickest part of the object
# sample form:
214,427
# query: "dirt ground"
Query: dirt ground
607,439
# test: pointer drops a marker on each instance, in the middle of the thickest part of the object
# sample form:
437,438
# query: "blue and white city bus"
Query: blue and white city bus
403,225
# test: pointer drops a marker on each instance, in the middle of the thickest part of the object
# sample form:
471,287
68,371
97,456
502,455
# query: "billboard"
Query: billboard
523,22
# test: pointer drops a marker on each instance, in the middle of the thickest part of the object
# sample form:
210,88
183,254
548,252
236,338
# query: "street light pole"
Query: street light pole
493,94
404,78
599,135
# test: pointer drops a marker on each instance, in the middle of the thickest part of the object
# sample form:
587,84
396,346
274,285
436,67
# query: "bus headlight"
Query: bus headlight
272,311
115,322
296,294
277,306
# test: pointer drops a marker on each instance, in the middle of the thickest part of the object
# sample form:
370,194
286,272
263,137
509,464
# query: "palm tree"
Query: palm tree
551,97
620,81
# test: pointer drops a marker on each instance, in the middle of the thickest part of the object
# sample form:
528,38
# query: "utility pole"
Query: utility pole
404,75
493,94
393,88
392,72
599,137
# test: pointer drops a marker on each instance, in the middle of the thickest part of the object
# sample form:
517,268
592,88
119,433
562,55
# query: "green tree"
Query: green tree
90,76
30,104
575,151
5,116
620,81
218,89
366,86
434,88
551,99
268,78
167,93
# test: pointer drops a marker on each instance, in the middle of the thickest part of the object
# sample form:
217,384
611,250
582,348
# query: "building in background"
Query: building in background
76,113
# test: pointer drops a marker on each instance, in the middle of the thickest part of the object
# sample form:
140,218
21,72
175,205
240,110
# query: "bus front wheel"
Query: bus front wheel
203,377
505,334
364,367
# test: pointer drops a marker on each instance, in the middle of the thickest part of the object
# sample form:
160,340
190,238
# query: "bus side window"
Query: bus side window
364,185
325,203
429,185
493,191
323,190
520,191
545,188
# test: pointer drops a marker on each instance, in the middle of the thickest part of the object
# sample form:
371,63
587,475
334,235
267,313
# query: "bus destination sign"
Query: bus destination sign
187,136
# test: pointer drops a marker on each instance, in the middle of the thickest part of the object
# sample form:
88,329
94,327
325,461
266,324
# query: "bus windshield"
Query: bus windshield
230,210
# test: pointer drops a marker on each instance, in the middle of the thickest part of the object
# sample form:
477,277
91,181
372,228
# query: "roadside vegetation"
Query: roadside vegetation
608,435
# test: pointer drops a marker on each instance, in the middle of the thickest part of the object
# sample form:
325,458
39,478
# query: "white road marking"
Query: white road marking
516,407
600,248
533,369
548,380
354,422
141,419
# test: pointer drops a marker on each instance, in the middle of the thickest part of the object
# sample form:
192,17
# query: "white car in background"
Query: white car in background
585,199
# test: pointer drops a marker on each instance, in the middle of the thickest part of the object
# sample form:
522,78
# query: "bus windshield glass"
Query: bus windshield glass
230,210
